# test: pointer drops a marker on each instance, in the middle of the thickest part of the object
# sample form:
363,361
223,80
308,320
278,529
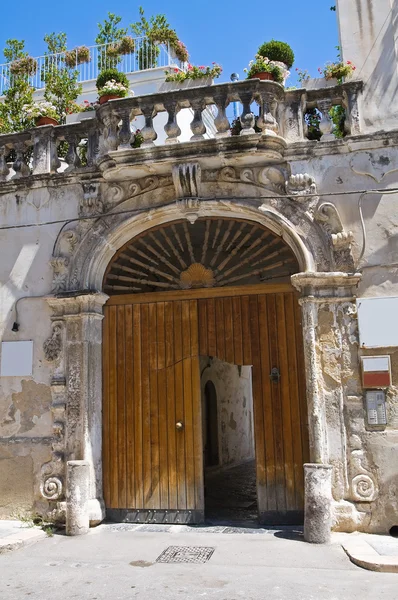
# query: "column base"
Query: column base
318,500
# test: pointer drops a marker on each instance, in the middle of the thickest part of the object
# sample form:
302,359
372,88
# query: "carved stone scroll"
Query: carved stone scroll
327,214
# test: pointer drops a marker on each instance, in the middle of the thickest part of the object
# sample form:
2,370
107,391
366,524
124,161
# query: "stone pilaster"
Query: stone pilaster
319,290
81,357
332,375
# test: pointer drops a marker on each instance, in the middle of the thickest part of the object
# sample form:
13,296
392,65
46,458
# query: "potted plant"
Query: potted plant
194,76
42,113
27,65
112,84
280,54
112,52
126,45
338,70
77,56
263,68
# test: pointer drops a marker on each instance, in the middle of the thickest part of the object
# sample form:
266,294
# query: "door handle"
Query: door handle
179,425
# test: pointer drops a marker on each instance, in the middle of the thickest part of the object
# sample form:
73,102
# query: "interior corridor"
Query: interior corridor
230,495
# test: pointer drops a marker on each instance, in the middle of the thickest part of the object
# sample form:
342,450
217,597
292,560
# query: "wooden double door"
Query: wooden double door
152,422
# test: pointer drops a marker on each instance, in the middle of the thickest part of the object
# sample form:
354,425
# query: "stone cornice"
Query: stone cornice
312,149
324,285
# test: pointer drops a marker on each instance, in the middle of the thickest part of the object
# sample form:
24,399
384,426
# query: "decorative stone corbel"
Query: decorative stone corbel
53,345
91,203
187,179
302,187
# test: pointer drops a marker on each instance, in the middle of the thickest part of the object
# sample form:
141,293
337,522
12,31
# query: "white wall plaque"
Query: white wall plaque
378,322
16,359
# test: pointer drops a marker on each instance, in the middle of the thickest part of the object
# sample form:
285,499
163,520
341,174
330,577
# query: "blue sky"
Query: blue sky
225,32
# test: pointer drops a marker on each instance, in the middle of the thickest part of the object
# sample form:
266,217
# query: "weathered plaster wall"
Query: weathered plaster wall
26,420
235,409
368,33
371,163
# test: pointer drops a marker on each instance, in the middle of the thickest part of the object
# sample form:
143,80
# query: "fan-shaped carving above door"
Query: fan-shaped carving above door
209,253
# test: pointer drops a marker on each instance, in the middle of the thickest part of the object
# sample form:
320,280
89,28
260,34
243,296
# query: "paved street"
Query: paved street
117,562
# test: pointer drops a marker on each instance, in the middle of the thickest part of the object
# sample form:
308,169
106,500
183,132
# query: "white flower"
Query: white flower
40,109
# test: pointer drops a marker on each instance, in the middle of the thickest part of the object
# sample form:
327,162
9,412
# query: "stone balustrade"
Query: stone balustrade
265,106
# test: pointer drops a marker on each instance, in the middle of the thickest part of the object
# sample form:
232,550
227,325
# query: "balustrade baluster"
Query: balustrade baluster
4,170
92,144
125,130
171,128
221,121
267,121
148,132
326,123
198,128
20,167
247,119
109,140
72,157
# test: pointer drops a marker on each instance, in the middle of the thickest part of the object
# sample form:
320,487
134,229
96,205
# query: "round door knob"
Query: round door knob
179,425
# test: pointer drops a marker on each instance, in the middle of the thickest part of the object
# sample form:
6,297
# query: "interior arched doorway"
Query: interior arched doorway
219,287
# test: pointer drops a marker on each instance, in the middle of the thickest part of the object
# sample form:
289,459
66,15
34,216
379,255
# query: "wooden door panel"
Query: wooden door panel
151,381
264,331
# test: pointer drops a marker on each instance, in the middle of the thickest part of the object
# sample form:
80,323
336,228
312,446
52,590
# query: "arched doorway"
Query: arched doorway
218,287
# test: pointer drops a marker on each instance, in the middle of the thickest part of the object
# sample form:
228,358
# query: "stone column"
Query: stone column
77,495
81,358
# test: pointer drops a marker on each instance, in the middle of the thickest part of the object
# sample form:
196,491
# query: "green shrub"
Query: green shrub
108,75
279,51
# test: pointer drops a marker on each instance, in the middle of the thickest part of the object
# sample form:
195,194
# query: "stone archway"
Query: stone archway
77,315
180,291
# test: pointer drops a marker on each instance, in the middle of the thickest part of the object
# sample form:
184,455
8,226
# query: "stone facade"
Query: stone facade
61,226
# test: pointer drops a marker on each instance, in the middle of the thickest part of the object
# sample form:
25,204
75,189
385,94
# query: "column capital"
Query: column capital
77,303
327,285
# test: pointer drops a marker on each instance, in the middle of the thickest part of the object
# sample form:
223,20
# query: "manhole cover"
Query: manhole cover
186,554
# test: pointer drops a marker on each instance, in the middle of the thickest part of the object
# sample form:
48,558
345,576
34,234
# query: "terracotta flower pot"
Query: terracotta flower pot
263,76
104,99
46,121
